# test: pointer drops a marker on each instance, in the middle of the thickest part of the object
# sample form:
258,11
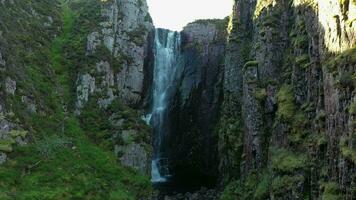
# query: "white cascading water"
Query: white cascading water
166,53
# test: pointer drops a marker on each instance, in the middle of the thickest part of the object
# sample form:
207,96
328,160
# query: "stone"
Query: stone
3,158
85,87
49,22
2,61
117,32
30,103
10,86
93,41
135,156
128,135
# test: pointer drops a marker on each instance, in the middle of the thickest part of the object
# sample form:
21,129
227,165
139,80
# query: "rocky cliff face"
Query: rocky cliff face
123,28
287,124
195,107
116,66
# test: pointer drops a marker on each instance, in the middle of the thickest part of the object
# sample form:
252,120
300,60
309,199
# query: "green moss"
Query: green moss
254,186
347,150
285,186
137,35
18,133
347,57
6,147
352,108
345,80
286,107
301,42
331,191
271,21
302,59
263,187
261,94
287,161
300,124
7,141
252,63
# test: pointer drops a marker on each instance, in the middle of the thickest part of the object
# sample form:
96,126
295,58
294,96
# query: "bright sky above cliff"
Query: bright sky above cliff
175,14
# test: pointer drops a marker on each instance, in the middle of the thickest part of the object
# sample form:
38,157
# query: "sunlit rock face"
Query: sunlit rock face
124,30
337,27
120,43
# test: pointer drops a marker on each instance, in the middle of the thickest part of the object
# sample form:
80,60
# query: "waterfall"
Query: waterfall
166,54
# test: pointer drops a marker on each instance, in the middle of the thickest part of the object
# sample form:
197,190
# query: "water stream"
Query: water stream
166,55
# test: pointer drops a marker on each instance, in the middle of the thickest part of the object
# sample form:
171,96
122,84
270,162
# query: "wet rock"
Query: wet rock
195,107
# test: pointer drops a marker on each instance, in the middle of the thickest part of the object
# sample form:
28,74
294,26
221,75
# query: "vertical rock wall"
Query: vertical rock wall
194,111
124,31
296,129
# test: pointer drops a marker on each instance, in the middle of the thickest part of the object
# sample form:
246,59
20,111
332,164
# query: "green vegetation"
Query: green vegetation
63,160
303,61
137,35
254,186
352,108
301,42
271,21
252,63
69,167
286,107
59,63
347,57
286,161
286,185
299,129
6,145
331,191
261,94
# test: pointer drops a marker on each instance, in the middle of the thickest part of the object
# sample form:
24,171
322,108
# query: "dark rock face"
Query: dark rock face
194,110
287,123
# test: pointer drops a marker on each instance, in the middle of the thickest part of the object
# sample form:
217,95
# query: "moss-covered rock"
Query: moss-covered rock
286,106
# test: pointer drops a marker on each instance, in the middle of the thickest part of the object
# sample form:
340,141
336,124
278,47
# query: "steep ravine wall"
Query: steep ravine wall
194,109
287,126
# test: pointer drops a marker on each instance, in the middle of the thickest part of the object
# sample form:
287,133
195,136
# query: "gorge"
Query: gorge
98,103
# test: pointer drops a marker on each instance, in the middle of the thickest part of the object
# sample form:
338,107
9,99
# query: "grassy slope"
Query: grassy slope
62,162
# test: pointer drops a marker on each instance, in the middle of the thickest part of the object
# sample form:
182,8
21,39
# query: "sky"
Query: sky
175,14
